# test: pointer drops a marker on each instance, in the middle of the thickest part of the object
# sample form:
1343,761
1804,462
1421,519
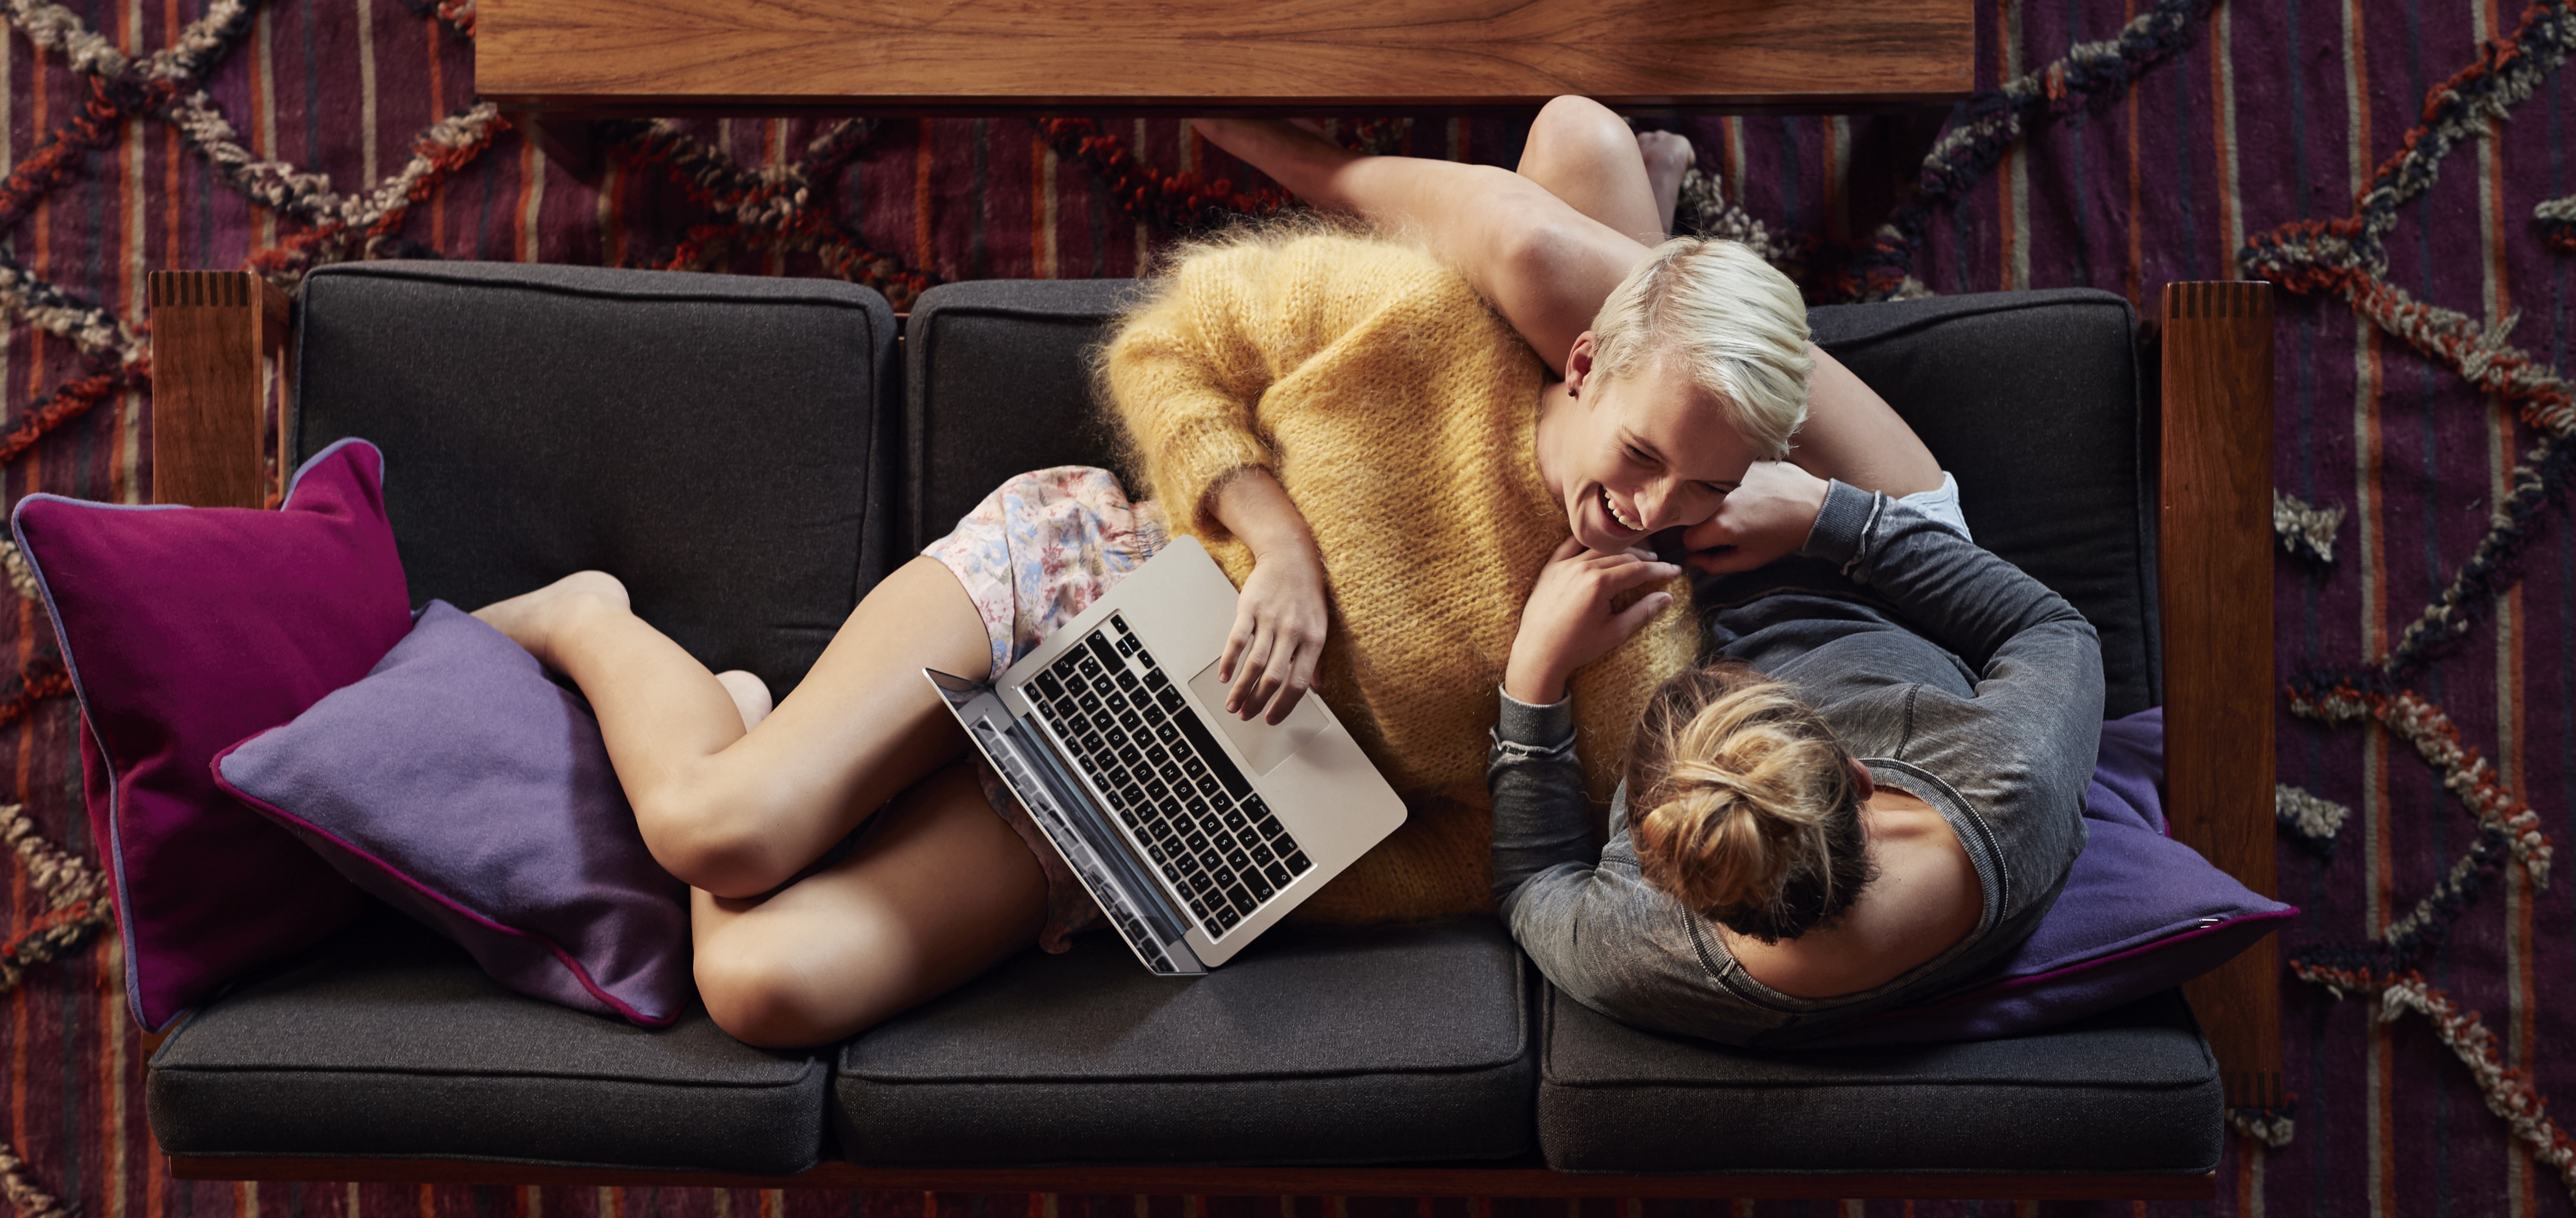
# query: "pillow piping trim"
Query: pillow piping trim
80,693
564,959
2013,984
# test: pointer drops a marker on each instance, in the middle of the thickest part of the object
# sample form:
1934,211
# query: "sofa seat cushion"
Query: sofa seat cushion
1392,1044
388,1042
2130,1091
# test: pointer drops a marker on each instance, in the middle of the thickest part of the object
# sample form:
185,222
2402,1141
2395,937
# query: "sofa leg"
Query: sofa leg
571,143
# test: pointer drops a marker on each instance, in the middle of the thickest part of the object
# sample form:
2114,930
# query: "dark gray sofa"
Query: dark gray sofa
751,454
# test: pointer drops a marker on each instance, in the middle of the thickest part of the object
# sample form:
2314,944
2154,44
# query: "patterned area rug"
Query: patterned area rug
2400,167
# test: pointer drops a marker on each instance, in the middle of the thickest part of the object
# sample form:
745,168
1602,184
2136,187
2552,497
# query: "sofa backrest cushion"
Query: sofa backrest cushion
712,440
997,382
2032,398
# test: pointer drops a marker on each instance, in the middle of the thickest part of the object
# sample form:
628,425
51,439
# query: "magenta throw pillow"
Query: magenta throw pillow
464,788
186,629
2140,913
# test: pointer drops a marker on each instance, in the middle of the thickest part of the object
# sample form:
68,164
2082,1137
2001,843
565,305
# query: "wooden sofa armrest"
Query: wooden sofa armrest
218,350
2214,560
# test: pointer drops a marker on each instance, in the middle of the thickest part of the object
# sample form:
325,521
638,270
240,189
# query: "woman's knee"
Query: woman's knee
760,992
1575,128
710,835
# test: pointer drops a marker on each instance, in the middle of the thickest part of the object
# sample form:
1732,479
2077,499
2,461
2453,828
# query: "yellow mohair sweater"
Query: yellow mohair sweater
1399,413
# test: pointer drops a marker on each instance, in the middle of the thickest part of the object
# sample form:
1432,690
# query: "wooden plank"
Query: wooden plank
212,332
1232,1181
655,57
2215,584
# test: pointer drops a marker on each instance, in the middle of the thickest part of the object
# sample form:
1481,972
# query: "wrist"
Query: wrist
1535,682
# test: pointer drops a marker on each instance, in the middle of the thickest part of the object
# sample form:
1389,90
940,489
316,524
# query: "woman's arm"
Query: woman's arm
1279,616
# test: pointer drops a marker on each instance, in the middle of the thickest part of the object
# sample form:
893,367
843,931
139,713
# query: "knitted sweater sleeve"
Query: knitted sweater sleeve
1187,371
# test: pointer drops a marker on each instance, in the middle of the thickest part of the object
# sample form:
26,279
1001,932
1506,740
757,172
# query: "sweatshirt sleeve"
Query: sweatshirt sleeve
1185,374
2022,750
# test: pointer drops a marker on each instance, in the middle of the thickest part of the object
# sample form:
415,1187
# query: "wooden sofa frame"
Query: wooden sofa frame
220,351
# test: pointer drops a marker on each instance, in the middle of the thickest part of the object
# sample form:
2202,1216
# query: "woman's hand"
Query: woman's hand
1280,615
1768,516
1568,622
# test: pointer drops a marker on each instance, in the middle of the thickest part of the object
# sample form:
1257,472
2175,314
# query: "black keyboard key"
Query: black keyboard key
1277,875
1227,921
1048,685
1196,807
1239,862
1195,840
1132,721
1076,684
1166,732
1234,818
1187,864
1162,831
1127,681
1159,793
1086,703
1200,904
1270,828
1128,645
1157,854
1235,784
1106,654
1221,878
1169,773
1154,678
1132,822
1170,700
1090,667
1157,755
1129,755
1211,786
1260,885
1223,841
1297,864
1193,767
1241,896
1089,744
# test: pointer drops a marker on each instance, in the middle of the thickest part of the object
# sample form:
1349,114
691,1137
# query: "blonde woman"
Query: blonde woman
1876,793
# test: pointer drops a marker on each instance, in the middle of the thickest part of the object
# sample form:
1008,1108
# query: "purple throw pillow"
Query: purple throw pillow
2140,913
184,630
461,786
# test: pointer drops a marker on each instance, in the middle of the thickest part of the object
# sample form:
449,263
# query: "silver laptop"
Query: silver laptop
1196,831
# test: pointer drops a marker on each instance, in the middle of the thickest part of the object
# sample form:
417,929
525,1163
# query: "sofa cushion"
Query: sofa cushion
2033,400
388,1042
997,380
1394,1044
2129,1091
710,439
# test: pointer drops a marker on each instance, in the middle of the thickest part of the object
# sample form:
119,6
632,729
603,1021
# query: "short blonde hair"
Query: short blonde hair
1735,323
1743,805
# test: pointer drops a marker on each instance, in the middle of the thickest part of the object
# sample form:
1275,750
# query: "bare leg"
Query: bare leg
750,696
738,812
1668,157
1584,154
1542,263
939,893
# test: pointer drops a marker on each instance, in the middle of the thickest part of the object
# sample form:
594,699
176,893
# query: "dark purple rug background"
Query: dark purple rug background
2164,182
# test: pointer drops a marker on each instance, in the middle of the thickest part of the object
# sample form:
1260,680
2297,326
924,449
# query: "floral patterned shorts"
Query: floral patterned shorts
1033,555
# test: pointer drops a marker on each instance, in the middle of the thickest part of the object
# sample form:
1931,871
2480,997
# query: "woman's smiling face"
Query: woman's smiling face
1634,455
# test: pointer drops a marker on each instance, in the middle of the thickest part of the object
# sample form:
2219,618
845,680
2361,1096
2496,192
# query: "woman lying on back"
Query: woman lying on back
1876,793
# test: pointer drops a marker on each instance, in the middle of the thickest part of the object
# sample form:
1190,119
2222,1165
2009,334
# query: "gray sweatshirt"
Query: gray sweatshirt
1951,674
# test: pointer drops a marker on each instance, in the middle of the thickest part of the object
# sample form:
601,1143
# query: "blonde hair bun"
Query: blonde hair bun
1744,805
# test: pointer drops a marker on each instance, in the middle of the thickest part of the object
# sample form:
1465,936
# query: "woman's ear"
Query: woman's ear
1578,365
1860,778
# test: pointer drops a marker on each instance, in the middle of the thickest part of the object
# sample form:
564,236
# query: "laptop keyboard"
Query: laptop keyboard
1213,840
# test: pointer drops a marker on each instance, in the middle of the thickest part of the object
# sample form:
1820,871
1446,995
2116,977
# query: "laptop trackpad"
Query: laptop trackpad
1260,743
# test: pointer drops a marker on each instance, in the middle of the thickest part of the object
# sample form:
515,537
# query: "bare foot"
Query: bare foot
530,617
750,696
1668,157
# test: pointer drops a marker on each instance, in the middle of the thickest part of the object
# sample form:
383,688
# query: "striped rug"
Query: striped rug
2402,167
